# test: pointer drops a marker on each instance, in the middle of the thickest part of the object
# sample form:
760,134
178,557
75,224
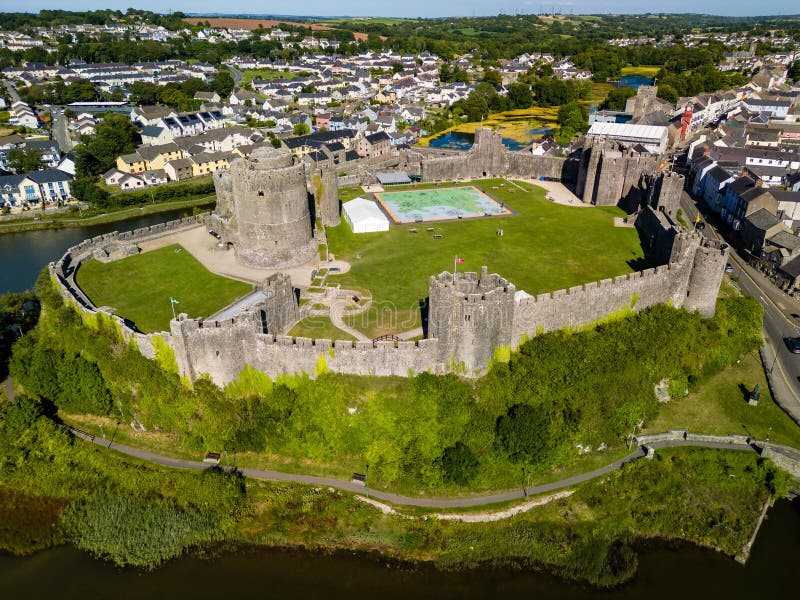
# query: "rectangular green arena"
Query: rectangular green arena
440,204
139,287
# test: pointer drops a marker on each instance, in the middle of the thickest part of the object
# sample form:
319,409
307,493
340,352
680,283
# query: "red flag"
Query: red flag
459,260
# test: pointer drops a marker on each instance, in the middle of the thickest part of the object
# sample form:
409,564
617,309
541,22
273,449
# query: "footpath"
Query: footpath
785,456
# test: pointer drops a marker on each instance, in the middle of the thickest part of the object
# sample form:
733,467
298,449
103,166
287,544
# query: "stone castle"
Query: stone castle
267,205
267,208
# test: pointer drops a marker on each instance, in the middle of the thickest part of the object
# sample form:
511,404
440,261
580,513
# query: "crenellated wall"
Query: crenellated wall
222,349
488,157
470,315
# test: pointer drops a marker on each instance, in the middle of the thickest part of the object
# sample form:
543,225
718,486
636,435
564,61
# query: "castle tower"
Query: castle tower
326,194
487,153
708,269
704,261
470,315
668,192
281,310
263,210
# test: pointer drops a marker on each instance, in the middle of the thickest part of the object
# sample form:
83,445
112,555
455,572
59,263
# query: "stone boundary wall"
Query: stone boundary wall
678,435
586,304
222,349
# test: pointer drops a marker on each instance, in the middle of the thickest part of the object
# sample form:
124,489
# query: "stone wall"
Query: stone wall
223,349
583,305
489,158
63,272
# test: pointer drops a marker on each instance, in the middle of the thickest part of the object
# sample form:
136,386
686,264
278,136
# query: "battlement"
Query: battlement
602,285
472,284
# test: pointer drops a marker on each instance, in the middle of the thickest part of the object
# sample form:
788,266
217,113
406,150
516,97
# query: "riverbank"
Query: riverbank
590,535
111,216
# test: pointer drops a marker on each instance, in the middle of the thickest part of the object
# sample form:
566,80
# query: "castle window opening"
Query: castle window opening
261,193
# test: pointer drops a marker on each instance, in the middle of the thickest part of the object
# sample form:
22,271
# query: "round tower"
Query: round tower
268,220
708,268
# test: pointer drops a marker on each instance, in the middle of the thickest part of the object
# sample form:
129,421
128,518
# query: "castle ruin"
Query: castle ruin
266,209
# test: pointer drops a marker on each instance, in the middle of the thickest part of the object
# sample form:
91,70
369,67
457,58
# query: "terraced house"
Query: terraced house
49,186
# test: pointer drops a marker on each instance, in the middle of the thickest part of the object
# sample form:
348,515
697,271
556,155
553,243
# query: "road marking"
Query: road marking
785,378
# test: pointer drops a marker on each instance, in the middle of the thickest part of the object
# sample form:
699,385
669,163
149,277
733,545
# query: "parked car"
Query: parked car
729,268
793,344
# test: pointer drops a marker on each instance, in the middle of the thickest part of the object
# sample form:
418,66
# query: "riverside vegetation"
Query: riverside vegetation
437,434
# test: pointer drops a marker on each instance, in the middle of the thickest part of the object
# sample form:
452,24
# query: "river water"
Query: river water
663,574
459,140
68,573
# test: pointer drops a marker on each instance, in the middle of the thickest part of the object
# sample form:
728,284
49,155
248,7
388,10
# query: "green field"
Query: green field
545,247
720,407
268,74
643,70
140,287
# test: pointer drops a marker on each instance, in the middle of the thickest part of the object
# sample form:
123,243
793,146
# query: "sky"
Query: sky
418,8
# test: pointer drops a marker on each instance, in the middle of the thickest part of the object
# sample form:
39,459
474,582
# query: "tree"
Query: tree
24,160
459,463
222,83
523,432
86,190
573,119
520,95
668,93
617,97
115,135
492,78
302,129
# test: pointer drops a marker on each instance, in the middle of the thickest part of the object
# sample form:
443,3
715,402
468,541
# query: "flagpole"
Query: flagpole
455,268
172,304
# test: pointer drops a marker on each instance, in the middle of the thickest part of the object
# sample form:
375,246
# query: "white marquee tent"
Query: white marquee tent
364,216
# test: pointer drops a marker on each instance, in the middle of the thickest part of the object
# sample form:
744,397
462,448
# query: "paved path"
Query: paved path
58,126
433,502
411,334
12,91
338,308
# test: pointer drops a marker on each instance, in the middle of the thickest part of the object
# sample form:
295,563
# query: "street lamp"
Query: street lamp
366,482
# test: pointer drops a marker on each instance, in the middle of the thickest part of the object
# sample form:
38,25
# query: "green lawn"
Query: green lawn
140,287
720,407
319,328
545,247
268,74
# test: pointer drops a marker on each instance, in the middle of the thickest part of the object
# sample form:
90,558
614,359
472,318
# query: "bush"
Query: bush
163,193
459,464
